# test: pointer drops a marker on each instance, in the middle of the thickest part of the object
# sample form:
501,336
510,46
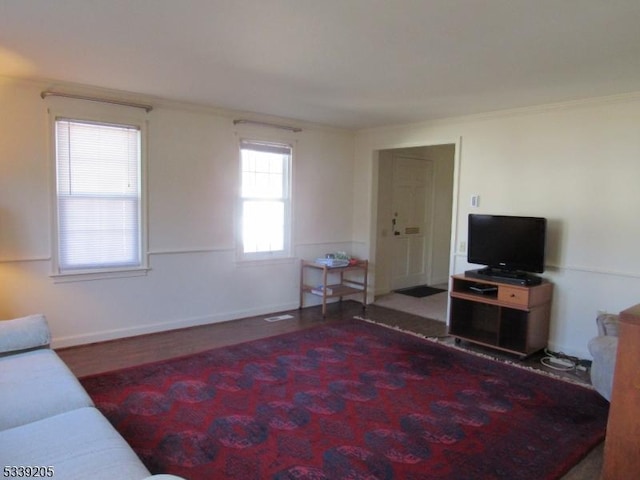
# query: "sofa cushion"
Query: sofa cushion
24,333
35,385
79,445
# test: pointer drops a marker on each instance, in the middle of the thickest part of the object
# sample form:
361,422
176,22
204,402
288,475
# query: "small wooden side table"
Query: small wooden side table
346,284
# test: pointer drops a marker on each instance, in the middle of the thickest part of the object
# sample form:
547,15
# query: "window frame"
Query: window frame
272,255
74,110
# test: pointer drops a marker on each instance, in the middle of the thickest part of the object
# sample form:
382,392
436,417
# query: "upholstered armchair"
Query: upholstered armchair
603,349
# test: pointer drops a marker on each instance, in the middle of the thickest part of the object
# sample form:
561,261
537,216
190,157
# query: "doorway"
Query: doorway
414,217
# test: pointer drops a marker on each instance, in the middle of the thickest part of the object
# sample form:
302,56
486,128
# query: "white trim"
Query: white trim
455,215
86,276
549,268
105,335
509,112
595,271
181,251
263,262
321,244
169,104
193,250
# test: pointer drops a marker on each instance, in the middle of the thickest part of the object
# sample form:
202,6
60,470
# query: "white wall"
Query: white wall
576,164
192,181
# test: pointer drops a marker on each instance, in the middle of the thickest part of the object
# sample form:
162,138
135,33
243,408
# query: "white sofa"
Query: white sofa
603,349
48,421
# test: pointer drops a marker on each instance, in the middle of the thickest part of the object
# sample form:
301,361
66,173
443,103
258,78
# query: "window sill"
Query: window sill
86,276
258,262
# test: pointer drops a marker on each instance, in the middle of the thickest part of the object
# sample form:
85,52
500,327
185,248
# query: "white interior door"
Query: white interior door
411,212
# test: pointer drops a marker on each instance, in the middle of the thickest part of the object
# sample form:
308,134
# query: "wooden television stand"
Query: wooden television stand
512,318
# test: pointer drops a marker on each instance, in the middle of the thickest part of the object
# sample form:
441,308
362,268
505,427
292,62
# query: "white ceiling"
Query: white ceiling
347,63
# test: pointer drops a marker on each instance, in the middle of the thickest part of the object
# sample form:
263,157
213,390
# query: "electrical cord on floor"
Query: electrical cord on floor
559,361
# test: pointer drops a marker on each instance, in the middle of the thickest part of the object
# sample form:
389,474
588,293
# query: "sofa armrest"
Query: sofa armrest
604,351
24,333
608,324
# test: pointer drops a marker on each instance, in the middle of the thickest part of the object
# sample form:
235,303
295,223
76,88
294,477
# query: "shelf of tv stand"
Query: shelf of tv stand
512,318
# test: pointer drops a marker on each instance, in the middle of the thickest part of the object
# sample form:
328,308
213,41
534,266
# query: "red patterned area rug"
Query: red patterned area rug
349,401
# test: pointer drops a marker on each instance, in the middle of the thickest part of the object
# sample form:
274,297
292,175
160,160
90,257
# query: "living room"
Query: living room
572,160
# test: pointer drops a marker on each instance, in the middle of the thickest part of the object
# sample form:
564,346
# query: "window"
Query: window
98,189
265,200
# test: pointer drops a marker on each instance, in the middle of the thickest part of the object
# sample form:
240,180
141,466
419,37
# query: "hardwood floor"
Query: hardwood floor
104,356
111,355
127,352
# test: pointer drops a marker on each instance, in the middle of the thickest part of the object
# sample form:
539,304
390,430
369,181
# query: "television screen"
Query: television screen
507,242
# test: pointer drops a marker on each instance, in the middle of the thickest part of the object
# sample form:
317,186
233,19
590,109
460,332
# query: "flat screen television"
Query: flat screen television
507,244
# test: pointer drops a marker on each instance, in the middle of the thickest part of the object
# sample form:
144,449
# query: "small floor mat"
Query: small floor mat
420,291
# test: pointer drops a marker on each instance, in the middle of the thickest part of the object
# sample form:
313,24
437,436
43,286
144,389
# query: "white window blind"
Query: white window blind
265,198
98,193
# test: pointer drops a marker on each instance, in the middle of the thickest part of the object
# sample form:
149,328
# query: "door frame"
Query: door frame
373,231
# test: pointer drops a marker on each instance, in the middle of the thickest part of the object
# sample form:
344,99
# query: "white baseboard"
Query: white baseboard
105,335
